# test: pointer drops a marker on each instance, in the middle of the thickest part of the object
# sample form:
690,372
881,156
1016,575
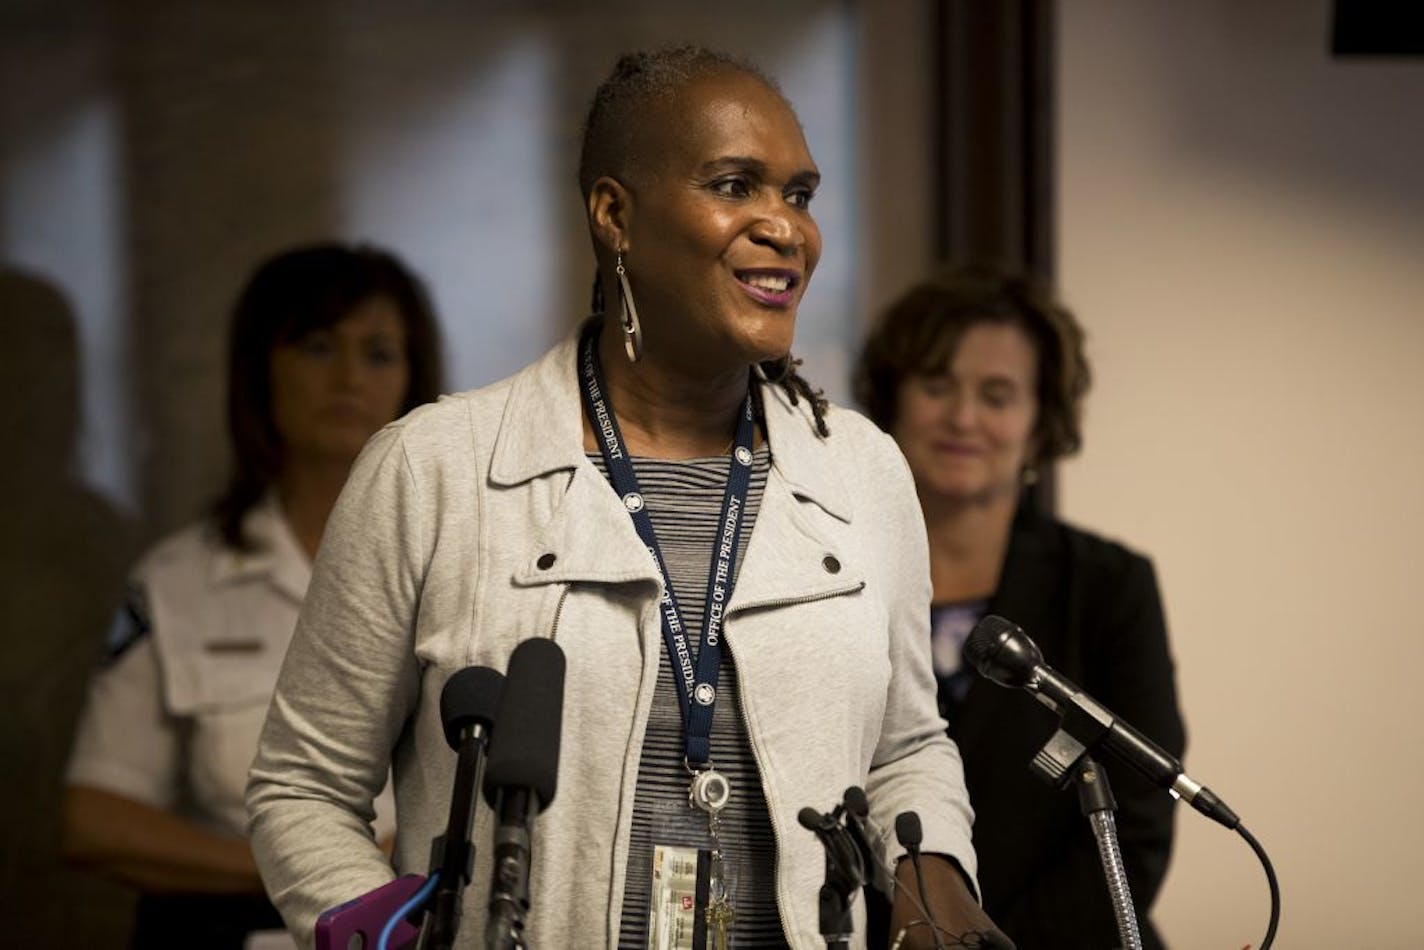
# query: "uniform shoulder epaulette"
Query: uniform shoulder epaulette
131,624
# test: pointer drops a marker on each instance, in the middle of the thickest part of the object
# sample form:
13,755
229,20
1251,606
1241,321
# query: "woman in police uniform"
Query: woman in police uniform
328,344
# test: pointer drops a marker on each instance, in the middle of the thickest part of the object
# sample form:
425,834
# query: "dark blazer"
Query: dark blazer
1093,608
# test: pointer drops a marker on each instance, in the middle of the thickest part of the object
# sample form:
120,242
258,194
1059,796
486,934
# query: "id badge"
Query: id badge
672,914
689,875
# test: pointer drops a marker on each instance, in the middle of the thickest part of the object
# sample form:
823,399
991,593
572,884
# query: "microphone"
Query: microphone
842,851
911,835
522,777
1001,651
851,861
467,713
862,831
845,874
909,832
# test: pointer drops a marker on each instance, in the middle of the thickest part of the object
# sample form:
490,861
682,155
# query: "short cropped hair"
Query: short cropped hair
640,81
919,333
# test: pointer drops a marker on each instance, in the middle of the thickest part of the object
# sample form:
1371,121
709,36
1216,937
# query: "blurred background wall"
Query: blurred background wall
1241,228
153,151
1236,222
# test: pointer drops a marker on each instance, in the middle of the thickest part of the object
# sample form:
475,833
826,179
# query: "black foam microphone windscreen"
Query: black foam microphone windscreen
524,752
908,830
1001,651
855,801
811,819
470,698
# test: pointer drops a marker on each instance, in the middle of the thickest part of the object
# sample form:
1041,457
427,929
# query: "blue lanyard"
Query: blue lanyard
698,678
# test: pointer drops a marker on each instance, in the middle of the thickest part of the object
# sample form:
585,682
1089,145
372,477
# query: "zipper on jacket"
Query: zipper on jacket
638,734
752,739
559,612
793,601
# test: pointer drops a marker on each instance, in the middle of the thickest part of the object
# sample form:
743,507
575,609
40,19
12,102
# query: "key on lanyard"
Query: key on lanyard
719,914
709,793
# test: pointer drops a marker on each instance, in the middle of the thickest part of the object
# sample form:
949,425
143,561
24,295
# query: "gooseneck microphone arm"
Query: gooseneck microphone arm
1096,802
1001,651
467,713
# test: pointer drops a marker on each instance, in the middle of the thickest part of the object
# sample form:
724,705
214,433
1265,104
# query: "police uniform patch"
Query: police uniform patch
130,625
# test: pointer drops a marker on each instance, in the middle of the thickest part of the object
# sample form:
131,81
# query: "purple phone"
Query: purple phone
357,924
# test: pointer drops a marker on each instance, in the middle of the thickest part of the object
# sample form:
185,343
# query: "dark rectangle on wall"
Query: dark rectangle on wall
994,160
1378,28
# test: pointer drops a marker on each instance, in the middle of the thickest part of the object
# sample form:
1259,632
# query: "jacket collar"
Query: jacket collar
542,432
800,455
275,556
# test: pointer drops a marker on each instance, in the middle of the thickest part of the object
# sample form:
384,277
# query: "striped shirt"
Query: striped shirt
684,501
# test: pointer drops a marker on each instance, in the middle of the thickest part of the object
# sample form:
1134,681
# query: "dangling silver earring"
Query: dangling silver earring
632,331
1030,475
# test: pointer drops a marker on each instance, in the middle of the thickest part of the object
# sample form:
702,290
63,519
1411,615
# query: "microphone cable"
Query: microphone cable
910,833
856,807
418,898
1270,880
1001,651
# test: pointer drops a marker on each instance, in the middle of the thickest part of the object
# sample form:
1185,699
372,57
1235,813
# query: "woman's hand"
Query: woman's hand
151,849
961,920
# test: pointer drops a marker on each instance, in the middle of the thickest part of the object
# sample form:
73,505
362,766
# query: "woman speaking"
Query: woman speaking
668,446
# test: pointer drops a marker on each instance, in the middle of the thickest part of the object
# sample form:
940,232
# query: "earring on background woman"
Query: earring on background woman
1030,475
632,331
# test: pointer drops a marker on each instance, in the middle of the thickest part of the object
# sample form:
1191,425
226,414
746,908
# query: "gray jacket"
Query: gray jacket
477,522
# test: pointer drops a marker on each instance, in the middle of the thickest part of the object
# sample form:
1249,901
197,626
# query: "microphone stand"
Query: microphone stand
1065,759
509,898
453,854
1095,798
845,876
836,896
1002,652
